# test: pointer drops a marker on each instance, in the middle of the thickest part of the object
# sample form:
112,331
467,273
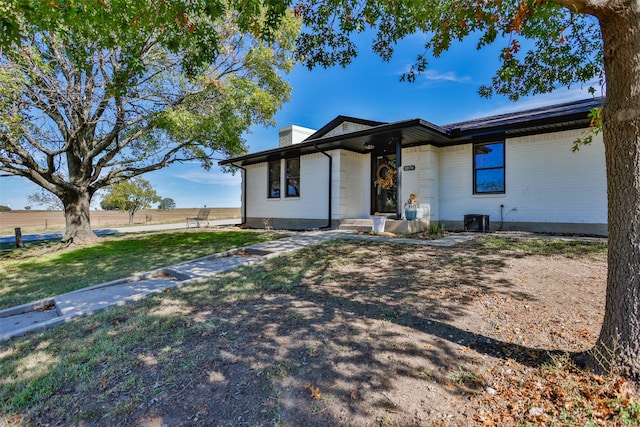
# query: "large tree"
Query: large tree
95,93
130,196
544,44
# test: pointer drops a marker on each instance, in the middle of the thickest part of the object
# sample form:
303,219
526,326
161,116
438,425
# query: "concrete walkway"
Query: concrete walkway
53,311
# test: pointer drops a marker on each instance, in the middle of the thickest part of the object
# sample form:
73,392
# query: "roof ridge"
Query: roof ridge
341,119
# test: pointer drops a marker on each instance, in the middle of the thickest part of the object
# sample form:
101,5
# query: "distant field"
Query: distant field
38,221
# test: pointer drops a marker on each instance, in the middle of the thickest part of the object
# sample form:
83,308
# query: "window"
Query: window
293,177
274,180
488,168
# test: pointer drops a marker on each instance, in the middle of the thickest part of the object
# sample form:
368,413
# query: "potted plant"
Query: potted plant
412,210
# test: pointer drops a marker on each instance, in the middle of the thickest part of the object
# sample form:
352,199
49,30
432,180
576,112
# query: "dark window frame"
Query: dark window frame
502,167
274,186
292,181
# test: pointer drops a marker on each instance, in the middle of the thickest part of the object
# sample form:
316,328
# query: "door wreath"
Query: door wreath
385,176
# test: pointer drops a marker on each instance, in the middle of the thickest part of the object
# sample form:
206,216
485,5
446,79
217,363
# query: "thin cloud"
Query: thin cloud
430,76
211,178
449,76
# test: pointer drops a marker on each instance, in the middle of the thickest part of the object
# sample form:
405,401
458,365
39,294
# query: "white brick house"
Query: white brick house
517,169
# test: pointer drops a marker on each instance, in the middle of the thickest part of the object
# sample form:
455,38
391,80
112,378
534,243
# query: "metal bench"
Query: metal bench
203,216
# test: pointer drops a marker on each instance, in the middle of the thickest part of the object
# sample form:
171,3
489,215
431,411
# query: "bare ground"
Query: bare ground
365,334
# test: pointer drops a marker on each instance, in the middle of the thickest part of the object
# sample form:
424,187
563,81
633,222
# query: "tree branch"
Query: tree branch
597,8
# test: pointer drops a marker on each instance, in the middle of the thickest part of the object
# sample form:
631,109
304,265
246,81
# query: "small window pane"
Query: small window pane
489,155
490,181
293,177
274,180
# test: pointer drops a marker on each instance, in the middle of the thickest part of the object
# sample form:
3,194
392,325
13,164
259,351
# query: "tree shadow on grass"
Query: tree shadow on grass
342,333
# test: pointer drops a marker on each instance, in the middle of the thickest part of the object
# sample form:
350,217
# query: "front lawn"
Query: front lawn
342,333
45,270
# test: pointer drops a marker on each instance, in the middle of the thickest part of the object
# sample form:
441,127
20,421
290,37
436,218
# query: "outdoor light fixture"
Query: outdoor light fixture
369,146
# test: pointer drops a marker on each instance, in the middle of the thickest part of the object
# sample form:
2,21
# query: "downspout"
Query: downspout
244,194
329,218
399,202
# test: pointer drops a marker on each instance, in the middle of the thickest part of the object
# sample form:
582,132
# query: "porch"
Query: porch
396,226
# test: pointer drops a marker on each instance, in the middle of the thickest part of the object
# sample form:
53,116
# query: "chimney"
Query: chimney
293,135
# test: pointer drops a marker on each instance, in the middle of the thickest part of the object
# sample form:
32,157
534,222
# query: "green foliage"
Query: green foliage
172,113
130,196
436,229
544,44
182,26
4,208
595,127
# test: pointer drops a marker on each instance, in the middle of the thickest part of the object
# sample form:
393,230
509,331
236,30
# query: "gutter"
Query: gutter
244,194
329,218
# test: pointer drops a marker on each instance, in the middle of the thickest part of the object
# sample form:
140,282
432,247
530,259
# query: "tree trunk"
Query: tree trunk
76,212
618,345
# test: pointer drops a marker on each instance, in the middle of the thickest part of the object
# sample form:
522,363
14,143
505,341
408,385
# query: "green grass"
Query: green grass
8,248
113,355
44,271
545,247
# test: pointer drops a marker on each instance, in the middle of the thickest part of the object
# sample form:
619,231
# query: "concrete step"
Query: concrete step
356,224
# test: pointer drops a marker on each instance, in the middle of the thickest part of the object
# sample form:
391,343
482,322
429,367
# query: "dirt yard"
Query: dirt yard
365,334
396,335
33,221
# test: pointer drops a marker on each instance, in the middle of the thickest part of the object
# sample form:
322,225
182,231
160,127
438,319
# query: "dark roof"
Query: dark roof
415,132
543,118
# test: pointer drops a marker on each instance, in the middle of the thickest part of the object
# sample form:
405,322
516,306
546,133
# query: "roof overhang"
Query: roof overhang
383,137
415,132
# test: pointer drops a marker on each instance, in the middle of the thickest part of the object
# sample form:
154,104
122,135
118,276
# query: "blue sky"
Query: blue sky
368,89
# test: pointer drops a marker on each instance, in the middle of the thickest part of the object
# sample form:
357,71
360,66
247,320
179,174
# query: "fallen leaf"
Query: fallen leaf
315,391
585,332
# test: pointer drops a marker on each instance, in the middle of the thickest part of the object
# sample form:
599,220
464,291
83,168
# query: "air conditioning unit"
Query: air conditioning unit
476,223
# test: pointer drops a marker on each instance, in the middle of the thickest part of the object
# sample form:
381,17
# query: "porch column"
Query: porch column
399,203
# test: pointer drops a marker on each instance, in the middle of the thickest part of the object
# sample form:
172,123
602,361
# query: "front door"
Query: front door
384,188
